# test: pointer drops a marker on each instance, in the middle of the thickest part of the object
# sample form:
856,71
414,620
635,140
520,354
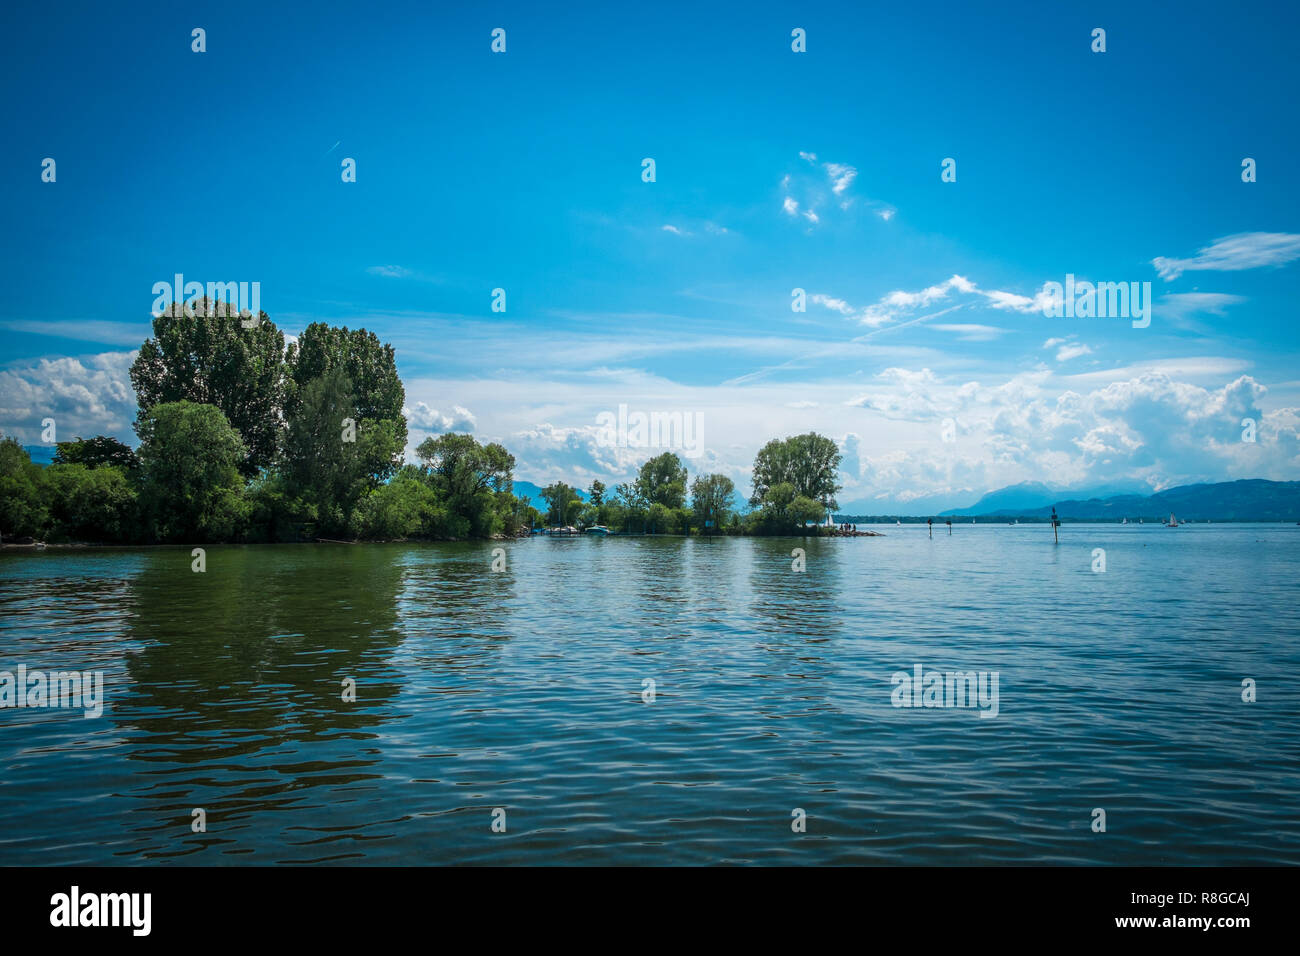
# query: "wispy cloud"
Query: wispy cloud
1245,250
841,176
900,304
1072,351
390,272
969,332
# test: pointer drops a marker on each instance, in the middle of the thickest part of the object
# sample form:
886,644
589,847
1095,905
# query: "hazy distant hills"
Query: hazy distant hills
1253,499
1014,499
1024,498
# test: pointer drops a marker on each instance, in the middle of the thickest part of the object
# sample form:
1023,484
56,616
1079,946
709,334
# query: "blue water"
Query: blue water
523,690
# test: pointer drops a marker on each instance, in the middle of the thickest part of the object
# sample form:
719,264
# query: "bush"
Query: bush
91,504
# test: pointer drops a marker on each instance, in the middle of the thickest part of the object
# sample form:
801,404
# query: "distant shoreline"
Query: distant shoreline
1154,522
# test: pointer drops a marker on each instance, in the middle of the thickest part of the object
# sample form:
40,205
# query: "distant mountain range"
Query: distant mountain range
1028,495
1017,498
1254,499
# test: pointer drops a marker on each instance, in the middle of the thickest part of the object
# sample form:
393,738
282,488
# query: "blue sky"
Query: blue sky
522,171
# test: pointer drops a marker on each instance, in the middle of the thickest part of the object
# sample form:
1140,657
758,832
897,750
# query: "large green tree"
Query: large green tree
325,451
467,477
370,365
807,462
190,456
662,481
562,503
211,358
711,500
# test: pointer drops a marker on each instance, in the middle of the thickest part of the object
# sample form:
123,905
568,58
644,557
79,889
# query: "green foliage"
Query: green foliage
806,462
562,504
23,509
91,504
190,457
404,507
711,500
662,481
322,461
596,494
212,359
659,519
467,477
96,452
804,510
377,392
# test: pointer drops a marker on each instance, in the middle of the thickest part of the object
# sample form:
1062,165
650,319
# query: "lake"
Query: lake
521,697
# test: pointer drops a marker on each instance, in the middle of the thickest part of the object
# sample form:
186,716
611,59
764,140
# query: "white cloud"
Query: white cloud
901,304
673,229
808,157
1150,428
427,419
832,303
841,176
790,206
1245,250
85,396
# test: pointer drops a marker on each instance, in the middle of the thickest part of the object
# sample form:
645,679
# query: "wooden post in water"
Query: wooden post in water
1056,523
949,526
930,522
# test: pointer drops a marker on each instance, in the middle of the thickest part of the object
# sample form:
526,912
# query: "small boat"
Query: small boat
1125,521
598,529
1172,522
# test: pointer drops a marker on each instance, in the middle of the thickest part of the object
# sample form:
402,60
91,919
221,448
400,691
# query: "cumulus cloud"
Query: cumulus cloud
431,420
1245,250
85,396
1150,428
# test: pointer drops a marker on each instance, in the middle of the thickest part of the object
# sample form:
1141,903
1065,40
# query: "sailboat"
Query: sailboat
1125,521
1172,522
